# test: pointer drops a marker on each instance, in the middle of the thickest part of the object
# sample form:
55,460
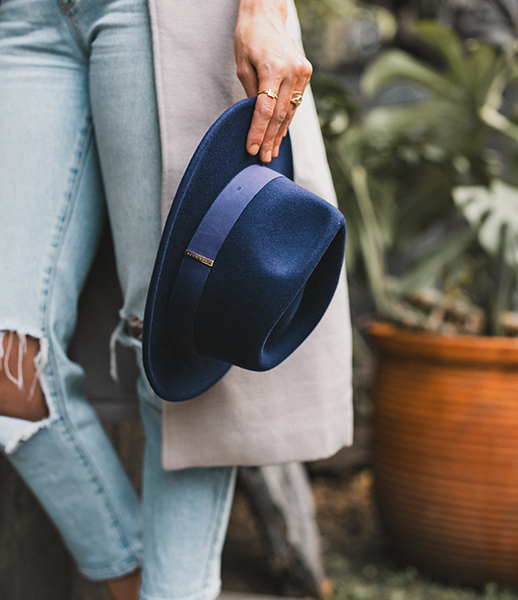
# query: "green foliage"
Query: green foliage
421,185
382,581
330,29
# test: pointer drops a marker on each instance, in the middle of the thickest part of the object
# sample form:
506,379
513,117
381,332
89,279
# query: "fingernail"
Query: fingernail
254,149
267,157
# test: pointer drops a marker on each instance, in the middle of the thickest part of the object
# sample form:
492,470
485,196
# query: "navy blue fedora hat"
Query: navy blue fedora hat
247,265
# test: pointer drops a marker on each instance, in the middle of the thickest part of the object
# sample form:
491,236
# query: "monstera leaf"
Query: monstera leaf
396,65
493,211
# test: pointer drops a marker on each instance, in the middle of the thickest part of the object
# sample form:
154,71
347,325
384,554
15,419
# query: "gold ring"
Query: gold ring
272,93
296,98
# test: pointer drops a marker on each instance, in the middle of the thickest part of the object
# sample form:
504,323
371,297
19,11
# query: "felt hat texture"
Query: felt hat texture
247,264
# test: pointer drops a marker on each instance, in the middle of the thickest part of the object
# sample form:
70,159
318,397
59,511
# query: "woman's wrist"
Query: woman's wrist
270,65
272,8
271,13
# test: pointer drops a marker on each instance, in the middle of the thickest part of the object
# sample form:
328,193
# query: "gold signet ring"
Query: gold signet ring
272,93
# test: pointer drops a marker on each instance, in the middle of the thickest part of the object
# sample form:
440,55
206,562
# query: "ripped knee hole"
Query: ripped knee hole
21,362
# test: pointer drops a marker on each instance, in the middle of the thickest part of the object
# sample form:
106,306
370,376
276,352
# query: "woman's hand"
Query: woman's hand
268,59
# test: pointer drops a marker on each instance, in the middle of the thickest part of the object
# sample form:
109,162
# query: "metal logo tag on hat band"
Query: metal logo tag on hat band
201,253
203,259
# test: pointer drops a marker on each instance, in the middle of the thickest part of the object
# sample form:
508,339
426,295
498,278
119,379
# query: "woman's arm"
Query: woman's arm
268,59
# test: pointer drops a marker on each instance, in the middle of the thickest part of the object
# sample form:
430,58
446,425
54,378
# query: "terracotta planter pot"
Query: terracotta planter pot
445,451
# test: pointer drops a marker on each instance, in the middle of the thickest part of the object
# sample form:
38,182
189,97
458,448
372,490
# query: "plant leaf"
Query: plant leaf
399,119
450,47
494,212
393,66
484,68
430,266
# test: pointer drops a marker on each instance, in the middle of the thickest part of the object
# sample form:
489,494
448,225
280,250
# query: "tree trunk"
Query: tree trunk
282,503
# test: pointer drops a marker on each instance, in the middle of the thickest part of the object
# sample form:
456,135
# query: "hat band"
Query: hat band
201,253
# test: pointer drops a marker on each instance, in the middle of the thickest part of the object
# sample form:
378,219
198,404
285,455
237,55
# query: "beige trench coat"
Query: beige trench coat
302,409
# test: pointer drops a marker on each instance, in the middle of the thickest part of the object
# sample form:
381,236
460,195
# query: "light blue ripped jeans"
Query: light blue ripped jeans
79,138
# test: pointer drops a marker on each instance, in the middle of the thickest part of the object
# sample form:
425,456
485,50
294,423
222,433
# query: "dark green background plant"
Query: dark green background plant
422,183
